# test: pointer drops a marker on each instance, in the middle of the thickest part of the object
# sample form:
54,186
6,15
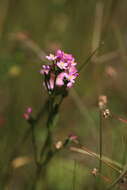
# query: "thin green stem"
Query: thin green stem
100,141
74,176
47,153
110,163
87,61
124,142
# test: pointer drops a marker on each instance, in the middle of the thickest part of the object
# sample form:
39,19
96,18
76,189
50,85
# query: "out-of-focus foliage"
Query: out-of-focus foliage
77,27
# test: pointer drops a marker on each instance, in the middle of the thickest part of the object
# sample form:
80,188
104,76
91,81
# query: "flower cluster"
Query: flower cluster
61,70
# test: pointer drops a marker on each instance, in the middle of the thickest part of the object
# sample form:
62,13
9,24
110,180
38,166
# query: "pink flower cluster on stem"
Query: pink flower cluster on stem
61,70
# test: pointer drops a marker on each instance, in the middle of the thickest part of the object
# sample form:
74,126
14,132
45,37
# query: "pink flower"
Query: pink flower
50,83
59,54
64,56
45,69
62,64
62,72
72,70
73,63
29,110
27,114
70,78
68,57
70,84
60,79
51,57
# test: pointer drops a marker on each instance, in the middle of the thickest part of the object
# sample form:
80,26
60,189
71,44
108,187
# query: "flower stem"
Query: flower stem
100,141
47,152
110,163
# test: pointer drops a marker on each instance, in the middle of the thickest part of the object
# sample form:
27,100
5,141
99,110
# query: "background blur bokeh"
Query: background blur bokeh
77,27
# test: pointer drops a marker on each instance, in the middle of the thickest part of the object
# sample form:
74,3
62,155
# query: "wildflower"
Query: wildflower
27,114
60,79
59,54
64,56
73,70
29,110
68,57
73,63
70,78
51,57
45,69
62,64
62,72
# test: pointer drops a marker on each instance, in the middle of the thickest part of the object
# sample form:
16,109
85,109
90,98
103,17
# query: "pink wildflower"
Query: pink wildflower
60,79
51,57
59,54
62,64
45,69
73,63
68,57
63,72
73,70
29,110
27,114
50,83
64,56
71,79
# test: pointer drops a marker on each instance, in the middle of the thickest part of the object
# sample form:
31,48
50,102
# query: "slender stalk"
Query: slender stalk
110,163
119,118
118,179
124,141
74,176
86,62
100,142
47,152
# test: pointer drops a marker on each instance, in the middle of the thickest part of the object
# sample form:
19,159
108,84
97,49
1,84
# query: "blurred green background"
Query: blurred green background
77,27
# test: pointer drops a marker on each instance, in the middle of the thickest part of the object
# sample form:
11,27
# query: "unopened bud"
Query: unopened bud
102,102
106,113
29,110
59,144
95,171
27,114
73,138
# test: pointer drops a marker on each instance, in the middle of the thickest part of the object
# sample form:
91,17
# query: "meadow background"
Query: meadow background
77,27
